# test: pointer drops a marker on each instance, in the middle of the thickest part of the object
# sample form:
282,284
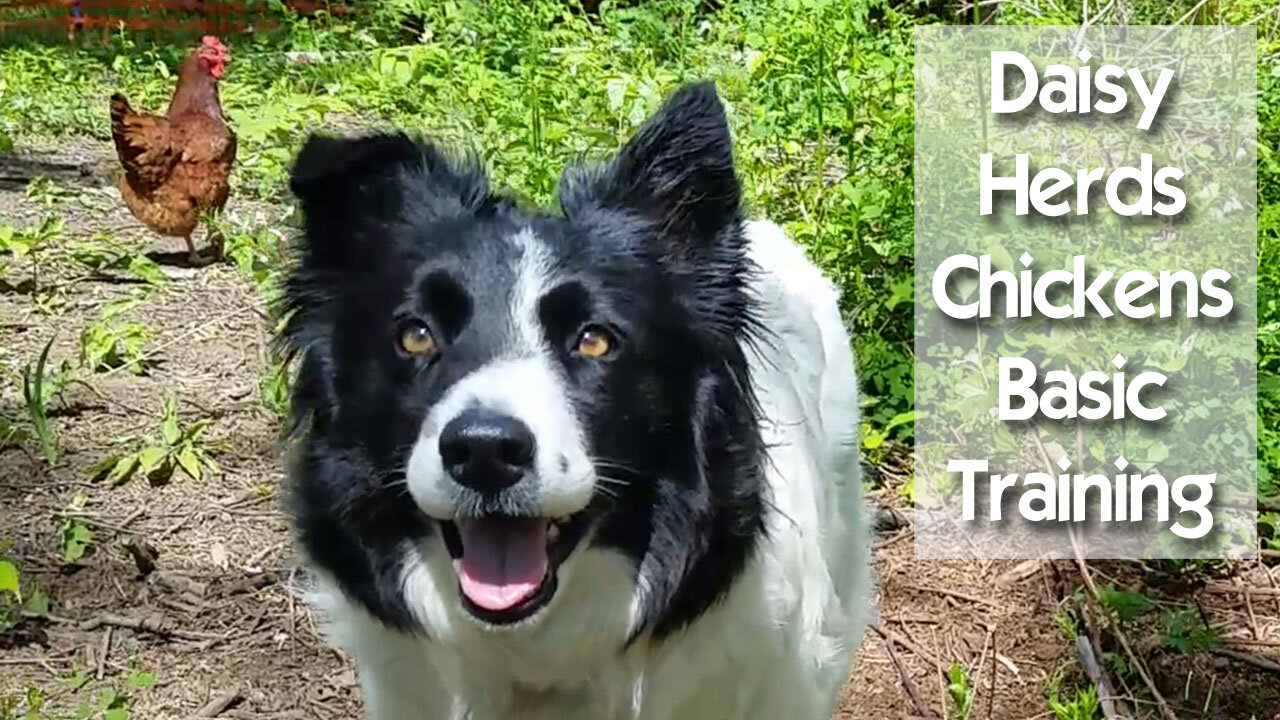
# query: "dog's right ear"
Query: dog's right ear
347,186
344,183
329,168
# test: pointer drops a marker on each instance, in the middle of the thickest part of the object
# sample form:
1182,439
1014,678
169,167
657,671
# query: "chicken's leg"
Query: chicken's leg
192,255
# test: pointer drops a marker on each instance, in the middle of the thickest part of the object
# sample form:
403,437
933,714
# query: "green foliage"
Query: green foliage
257,253
47,192
114,705
1082,705
31,701
37,395
31,245
960,689
75,540
1125,604
9,580
821,97
12,434
111,342
12,600
101,253
140,679
821,113
1269,275
273,388
175,446
1183,630
1068,624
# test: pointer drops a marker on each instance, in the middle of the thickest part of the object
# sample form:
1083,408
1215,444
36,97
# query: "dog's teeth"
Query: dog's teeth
553,532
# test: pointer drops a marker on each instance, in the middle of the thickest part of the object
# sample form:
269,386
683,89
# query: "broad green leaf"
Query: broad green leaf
38,603
9,579
1126,604
150,458
101,470
76,538
188,461
616,89
169,427
123,470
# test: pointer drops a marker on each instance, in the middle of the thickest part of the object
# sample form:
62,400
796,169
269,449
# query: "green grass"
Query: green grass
820,96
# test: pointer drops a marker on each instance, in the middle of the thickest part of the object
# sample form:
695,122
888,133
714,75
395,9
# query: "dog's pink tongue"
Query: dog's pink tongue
504,560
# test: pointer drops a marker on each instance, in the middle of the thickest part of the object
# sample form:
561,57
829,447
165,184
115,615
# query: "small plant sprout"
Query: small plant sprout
47,192
112,342
101,253
174,446
35,395
76,538
30,243
960,689
12,602
76,541
1184,631
12,435
1084,704
1126,604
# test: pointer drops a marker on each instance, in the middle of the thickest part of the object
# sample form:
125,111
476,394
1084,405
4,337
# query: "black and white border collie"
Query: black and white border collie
592,465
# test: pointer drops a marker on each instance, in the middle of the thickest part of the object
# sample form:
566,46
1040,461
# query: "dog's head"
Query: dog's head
519,386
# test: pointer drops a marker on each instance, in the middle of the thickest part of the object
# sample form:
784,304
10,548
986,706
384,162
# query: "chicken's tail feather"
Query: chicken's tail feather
119,108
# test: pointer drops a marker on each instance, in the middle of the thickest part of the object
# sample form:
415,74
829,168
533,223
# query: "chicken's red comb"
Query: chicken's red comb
212,41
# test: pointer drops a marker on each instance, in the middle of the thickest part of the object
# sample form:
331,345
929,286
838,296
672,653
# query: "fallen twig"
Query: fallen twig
153,625
955,594
109,400
121,528
220,702
103,652
908,644
907,682
1220,589
1018,573
894,540
24,661
1253,619
1271,580
1259,662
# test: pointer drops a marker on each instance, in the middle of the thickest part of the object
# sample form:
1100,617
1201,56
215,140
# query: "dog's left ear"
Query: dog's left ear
677,171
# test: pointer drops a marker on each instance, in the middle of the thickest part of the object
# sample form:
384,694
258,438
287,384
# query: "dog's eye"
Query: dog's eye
595,342
416,339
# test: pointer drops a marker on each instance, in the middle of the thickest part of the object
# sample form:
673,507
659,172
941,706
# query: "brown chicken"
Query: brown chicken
177,166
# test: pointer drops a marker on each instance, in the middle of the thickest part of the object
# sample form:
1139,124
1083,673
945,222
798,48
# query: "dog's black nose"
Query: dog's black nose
486,450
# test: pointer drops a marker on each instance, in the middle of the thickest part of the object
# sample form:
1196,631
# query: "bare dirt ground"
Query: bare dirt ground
218,620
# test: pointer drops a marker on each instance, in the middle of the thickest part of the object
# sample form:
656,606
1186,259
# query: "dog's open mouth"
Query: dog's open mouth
507,565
